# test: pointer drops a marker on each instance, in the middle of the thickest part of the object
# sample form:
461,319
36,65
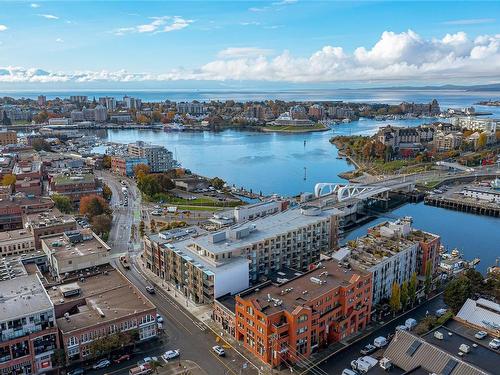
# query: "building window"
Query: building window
302,318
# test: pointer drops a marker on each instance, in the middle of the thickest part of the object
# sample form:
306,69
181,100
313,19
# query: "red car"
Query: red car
122,358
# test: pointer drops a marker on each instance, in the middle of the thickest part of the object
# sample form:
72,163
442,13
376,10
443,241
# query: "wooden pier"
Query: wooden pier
464,205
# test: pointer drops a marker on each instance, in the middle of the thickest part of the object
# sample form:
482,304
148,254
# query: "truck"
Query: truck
364,364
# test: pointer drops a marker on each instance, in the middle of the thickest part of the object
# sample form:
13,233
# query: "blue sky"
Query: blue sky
285,41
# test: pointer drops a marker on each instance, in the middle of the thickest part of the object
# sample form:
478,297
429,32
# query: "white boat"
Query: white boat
176,127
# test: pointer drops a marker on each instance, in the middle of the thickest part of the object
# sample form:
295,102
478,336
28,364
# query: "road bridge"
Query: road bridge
345,192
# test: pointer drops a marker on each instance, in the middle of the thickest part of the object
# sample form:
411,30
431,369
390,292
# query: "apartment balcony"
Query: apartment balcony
280,328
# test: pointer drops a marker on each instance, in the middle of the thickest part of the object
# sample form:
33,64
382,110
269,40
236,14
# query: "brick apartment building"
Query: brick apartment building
8,137
285,323
28,177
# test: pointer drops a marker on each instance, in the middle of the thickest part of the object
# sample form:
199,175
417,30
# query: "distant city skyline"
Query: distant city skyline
51,45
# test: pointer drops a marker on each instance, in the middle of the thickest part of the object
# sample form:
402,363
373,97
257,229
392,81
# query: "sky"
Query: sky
281,43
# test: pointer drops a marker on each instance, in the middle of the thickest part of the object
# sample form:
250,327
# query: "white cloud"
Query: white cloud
3,28
395,57
35,5
59,40
237,52
258,9
470,21
250,23
49,16
157,25
285,2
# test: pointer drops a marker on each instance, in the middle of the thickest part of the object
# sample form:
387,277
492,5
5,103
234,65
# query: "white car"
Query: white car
494,344
159,318
102,364
147,360
170,354
440,312
480,335
219,350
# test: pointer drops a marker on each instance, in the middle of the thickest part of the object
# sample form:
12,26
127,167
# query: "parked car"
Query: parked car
219,350
402,328
347,371
150,289
494,344
76,371
368,349
147,360
363,364
441,312
170,354
480,335
410,323
103,363
159,318
122,358
141,370
380,342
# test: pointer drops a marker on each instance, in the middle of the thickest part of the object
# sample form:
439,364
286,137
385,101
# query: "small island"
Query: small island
490,103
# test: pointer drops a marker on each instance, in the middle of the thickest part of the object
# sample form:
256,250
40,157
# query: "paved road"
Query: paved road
181,330
336,363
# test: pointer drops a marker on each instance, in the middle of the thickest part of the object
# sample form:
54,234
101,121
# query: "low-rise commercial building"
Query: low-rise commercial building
482,193
48,223
98,308
28,328
284,323
75,186
28,177
232,259
124,165
16,242
11,215
482,315
73,251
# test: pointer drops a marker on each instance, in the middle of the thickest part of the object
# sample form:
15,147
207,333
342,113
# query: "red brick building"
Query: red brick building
11,215
428,253
74,186
124,165
28,177
285,323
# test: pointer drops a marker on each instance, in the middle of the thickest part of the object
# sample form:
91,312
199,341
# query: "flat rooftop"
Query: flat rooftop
48,218
299,291
385,240
73,244
22,296
71,179
103,298
264,228
15,235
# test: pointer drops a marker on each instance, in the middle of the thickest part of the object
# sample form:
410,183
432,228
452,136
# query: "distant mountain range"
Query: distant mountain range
489,87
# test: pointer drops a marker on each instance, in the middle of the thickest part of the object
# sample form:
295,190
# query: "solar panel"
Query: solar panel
449,367
413,348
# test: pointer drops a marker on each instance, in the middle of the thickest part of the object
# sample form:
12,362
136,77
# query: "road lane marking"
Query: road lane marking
221,361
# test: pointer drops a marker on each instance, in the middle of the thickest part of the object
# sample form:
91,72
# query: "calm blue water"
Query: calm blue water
447,98
473,235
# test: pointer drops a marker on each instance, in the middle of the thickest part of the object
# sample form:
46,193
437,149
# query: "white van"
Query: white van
347,371
438,335
385,363
464,348
364,364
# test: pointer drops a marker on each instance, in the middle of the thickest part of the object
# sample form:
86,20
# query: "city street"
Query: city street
181,330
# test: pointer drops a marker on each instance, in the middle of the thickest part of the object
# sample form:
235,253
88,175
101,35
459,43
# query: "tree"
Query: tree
412,289
106,162
41,117
41,144
152,225
9,180
456,292
156,116
165,181
63,203
142,228
106,192
101,224
148,184
428,278
217,183
404,294
141,170
93,205
482,140
395,300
